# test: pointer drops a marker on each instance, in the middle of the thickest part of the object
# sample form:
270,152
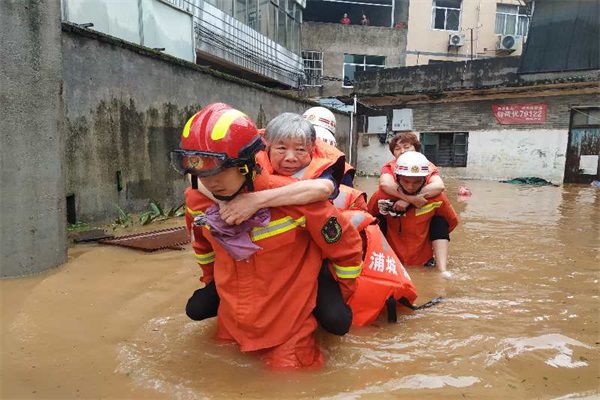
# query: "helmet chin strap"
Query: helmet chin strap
249,172
227,198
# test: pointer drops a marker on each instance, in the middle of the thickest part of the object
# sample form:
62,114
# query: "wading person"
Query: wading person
434,185
265,270
401,143
293,151
411,233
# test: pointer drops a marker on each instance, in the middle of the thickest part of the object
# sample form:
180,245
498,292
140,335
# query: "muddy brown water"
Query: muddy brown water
519,320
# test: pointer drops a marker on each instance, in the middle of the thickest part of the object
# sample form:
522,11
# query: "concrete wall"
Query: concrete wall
510,153
336,39
32,200
125,108
494,151
425,43
436,78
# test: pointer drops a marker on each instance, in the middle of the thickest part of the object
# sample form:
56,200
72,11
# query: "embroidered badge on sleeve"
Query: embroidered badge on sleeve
331,231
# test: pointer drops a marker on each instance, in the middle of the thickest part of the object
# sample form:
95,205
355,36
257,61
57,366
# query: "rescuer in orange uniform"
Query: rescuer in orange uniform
434,185
267,296
313,170
411,233
293,151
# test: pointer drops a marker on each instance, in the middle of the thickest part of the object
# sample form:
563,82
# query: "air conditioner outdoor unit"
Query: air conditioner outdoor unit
509,42
456,39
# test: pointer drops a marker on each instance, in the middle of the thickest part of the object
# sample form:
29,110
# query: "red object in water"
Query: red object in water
464,191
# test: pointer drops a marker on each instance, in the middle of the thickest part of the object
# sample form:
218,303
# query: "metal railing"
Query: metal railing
222,36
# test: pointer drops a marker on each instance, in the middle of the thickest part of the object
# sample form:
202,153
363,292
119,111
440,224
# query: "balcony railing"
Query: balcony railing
222,36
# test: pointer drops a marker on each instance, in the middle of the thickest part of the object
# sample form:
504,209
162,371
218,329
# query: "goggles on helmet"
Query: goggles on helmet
199,163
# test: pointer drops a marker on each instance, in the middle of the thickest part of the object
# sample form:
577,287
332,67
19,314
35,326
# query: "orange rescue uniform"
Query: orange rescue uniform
267,301
409,234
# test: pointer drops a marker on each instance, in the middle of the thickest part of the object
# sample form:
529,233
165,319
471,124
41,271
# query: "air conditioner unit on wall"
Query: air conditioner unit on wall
508,43
456,39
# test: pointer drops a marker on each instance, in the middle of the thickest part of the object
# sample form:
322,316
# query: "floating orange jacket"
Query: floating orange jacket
269,298
382,276
409,234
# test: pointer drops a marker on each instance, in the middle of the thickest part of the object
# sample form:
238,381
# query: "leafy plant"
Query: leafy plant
178,211
123,220
156,213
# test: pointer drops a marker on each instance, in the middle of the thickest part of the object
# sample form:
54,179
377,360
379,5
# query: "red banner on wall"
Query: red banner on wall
525,113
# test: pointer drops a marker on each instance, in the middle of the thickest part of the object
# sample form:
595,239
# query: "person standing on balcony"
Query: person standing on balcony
345,20
364,21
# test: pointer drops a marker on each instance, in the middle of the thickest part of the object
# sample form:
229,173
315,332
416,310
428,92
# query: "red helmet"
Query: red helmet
216,138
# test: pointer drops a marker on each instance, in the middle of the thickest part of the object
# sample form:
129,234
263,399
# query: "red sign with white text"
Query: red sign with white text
525,113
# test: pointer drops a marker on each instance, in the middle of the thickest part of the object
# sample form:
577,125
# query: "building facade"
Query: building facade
255,40
483,120
333,52
458,30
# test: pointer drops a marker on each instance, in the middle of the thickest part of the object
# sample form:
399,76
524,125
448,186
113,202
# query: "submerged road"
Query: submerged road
520,319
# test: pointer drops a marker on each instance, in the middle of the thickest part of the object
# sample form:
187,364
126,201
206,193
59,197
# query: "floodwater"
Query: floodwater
519,319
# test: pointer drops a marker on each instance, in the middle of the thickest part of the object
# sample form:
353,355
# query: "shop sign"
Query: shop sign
520,113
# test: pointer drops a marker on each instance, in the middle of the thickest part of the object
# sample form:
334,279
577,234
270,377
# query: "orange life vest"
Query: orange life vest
382,276
324,156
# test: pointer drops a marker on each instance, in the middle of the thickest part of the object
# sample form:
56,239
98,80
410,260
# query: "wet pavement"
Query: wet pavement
519,319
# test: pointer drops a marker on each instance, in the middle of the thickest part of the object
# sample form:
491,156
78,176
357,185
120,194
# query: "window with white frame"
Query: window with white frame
357,62
313,67
512,19
446,15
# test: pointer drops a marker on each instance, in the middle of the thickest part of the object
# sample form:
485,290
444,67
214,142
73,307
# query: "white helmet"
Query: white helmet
321,117
412,163
325,136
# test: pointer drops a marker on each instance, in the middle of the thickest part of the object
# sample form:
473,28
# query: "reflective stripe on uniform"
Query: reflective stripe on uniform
347,272
193,212
427,208
357,219
276,227
205,258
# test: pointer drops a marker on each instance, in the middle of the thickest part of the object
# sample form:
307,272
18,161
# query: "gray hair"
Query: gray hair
287,126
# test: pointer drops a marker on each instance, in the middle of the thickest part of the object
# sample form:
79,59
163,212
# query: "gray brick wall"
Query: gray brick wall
478,115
